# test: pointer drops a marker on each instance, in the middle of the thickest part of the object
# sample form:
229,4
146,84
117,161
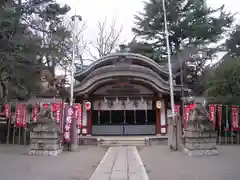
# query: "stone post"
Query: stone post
174,133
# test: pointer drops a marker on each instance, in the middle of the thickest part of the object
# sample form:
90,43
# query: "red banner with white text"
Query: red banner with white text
235,118
68,120
212,114
56,108
18,115
78,115
24,116
7,111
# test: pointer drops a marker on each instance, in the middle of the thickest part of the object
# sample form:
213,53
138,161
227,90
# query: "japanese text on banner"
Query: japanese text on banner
18,115
235,125
24,116
212,114
56,108
69,115
78,115
7,110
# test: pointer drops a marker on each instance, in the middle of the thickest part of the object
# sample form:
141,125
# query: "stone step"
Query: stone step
122,142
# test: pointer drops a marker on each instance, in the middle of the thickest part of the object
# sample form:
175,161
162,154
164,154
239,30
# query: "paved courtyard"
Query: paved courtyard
119,163
15,164
161,164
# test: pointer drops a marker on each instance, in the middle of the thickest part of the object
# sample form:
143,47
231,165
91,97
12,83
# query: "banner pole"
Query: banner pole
8,131
227,125
25,125
14,131
220,122
25,136
232,128
19,135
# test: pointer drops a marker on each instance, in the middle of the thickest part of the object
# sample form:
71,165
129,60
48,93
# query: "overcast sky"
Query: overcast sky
123,11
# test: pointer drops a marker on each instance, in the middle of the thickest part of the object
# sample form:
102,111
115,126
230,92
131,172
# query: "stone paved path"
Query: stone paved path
163,164
120,163
15,164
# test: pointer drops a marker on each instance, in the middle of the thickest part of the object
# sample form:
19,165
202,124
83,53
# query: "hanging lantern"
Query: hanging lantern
88,105
158,105
192,106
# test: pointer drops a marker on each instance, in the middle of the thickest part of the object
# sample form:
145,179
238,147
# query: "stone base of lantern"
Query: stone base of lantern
207,152
45,141
200,143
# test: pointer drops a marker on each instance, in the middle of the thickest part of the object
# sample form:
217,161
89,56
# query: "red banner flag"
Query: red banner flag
69,116
34,112
7,110
235,125
212,114
57,110
220,116
18,115
24,116
78,115
186,115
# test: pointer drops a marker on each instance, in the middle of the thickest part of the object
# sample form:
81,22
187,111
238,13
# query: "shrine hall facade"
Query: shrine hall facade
129,95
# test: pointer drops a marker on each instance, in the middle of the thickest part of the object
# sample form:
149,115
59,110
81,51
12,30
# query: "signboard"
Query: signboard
69,115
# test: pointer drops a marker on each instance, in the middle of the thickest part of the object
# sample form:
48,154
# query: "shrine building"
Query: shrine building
129,95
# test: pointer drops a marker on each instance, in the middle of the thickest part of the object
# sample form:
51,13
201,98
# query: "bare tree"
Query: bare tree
107,39
80,43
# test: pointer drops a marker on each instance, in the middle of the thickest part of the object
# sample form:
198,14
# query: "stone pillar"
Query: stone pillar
74,135
174,133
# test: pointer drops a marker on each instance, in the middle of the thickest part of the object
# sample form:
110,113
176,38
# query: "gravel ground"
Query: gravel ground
15,164
162,164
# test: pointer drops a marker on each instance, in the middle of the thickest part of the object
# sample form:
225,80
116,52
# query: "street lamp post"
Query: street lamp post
74,127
